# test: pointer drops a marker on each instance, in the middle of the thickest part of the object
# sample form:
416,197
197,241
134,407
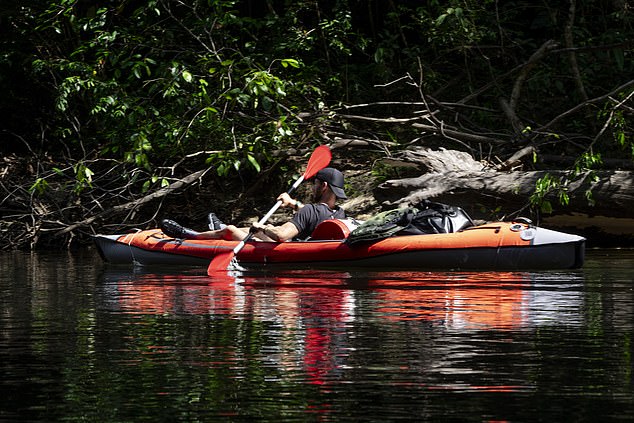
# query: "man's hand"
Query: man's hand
287,201
267,230
257,227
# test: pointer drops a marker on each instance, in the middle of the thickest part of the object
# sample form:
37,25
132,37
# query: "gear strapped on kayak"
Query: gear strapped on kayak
427,217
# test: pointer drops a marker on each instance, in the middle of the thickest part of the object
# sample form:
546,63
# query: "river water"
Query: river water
84,341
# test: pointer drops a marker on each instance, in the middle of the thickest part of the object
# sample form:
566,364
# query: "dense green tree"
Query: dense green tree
115,99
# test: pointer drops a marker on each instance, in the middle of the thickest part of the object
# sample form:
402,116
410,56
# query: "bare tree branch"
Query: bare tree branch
188,180
580,106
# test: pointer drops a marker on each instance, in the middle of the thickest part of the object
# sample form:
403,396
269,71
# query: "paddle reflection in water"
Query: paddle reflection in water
308,323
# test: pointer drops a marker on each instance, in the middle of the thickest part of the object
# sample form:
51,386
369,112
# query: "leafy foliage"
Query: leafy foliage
155,86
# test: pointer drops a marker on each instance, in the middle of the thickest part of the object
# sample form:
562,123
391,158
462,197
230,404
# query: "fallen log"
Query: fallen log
488,194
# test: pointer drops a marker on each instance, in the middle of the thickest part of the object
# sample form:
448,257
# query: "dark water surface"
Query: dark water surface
84,341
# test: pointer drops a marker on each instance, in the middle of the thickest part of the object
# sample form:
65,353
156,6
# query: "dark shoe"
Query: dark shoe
214,222
173,229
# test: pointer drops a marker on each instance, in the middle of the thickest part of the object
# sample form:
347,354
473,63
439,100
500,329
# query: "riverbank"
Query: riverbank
56,218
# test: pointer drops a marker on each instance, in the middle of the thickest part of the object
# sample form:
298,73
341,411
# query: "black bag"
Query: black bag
437,218
426,217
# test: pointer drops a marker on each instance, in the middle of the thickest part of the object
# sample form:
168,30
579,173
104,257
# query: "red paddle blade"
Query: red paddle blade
220,263
318,160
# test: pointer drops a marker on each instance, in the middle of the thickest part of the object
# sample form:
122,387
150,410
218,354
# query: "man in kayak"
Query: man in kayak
327,188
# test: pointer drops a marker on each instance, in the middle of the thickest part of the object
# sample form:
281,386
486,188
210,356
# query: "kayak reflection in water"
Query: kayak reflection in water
327,188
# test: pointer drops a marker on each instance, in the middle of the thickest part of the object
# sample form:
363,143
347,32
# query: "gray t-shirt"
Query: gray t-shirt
311,215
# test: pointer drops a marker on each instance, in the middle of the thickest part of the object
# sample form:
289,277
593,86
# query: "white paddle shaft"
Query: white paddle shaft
262,221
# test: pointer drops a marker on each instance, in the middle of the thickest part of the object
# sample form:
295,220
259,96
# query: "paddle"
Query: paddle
318,160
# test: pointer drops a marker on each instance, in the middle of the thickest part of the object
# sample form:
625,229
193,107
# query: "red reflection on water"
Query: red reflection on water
317,308
488,388
323,314
460,301
176,294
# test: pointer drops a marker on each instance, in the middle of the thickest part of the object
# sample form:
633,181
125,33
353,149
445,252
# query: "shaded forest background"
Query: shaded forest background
118,113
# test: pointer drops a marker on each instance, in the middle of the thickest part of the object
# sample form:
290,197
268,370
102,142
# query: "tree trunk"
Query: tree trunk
488,194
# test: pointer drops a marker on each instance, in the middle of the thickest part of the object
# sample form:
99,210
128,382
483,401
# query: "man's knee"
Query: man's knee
232,233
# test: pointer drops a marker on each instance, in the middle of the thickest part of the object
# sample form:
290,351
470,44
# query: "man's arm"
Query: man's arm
278,233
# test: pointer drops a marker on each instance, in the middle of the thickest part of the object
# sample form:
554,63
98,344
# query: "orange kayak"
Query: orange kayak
493,246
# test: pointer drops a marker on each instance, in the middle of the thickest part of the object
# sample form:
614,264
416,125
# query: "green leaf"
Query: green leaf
547,207
290,62
88,174
253,162
564,199
40,185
